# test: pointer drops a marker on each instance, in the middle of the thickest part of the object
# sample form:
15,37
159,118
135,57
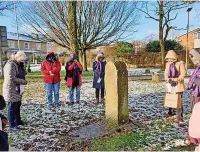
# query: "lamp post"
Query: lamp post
188,10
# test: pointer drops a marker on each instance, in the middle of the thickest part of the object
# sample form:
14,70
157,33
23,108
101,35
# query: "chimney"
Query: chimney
35,36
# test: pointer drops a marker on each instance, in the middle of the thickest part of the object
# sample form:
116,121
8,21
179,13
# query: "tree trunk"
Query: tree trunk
162,43
71,5
85,60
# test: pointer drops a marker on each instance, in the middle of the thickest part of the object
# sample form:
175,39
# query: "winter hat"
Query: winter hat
171,54
73,56
100,55
51,57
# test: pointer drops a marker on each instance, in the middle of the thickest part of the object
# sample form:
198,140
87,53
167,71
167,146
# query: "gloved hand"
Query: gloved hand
173,83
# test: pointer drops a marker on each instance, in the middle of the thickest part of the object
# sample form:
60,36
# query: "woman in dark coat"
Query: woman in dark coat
99,74
3,122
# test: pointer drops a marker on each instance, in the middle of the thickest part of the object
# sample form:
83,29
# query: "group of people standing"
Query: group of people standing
51,71
174,75
14,82
15,72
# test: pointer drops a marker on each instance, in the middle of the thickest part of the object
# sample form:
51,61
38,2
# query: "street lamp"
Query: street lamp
188,10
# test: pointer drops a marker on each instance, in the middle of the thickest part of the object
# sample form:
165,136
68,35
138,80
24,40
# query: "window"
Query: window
197,35
49,45
11,44
38,46
26,45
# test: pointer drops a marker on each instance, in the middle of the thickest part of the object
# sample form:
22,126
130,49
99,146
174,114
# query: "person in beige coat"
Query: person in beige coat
174,74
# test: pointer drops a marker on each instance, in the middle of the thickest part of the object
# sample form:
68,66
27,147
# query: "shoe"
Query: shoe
14,128
50,106
57,105
97,101
77,102
21,123
71,103
102,100
171,114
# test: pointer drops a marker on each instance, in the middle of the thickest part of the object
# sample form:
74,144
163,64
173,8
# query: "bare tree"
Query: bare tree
98,22
5,5
163,12
72,28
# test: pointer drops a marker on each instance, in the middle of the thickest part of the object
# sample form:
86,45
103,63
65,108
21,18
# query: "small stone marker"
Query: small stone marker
116,85
156,77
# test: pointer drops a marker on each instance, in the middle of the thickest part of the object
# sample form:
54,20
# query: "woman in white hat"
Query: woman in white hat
11,88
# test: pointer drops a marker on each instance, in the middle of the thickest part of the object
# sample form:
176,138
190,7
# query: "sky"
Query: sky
145,28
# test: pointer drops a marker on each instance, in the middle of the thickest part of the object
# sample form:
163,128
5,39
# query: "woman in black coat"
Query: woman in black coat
99,75
3,120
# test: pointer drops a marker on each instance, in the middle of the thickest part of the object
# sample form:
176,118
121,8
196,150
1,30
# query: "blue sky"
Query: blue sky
145,28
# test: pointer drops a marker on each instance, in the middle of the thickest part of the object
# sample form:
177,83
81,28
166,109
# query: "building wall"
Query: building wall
32,45
183,40
53,47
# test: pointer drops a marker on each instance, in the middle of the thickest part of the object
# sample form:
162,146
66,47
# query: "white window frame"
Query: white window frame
13,44
25,45
197,35
39,46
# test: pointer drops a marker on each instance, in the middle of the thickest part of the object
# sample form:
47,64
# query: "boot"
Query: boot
97,101
102,100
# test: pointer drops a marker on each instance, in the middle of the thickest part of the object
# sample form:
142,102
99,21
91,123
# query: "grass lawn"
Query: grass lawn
38,73
139,140
37,76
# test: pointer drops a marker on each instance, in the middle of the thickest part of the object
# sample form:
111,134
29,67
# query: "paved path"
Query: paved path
14,149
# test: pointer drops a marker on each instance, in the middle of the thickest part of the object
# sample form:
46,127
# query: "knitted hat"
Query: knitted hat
100,55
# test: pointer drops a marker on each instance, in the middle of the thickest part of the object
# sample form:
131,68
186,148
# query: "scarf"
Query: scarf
98,67
195,89
173,72
75,77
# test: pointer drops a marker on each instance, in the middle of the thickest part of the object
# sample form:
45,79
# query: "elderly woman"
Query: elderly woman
174,75
99,74
51,71
11,88
194,81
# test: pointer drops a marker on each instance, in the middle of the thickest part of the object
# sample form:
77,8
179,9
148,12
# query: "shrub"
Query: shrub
147,71
154,46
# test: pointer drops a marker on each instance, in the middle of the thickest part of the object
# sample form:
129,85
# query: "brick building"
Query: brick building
193,39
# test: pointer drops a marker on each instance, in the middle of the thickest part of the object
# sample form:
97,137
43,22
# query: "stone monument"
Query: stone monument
116,85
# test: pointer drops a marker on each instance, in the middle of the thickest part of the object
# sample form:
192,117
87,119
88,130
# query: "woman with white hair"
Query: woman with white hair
11,88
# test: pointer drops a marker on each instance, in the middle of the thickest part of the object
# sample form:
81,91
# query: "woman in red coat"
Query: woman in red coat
73,78
51,71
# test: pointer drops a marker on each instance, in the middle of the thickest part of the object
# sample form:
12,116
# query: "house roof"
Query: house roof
22,37
25,51
192,31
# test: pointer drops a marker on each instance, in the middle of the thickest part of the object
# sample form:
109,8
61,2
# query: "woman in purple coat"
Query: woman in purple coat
99,74
194,81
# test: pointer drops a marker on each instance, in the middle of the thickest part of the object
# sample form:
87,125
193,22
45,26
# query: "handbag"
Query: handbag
172,99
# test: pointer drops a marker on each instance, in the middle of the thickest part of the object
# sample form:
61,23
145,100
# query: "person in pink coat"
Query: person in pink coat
194,126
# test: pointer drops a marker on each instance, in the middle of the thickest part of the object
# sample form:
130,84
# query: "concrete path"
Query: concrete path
14,149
